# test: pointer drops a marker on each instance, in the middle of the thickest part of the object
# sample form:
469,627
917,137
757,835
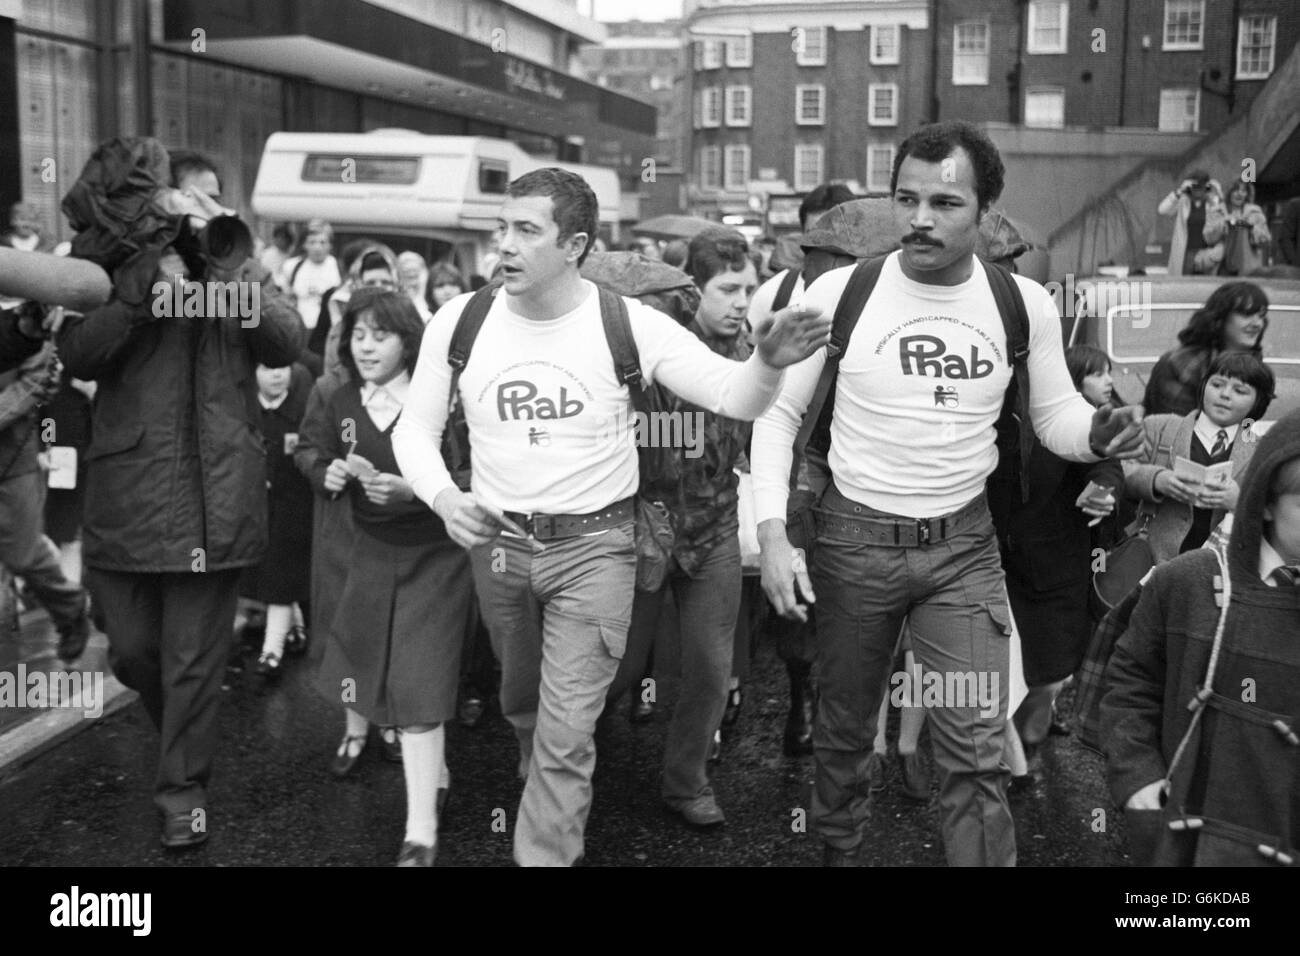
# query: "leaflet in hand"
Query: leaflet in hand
1203,476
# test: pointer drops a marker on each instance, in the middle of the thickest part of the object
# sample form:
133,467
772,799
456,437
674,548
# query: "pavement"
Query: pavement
84,786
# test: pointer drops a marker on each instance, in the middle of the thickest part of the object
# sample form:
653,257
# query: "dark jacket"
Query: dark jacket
1175,383
1047,555
15,347
176,462
1240,771
1288,236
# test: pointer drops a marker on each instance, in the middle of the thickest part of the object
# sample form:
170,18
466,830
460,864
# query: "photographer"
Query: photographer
176,474
1191,203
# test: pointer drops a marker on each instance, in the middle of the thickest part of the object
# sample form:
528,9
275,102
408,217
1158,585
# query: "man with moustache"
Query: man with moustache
903,529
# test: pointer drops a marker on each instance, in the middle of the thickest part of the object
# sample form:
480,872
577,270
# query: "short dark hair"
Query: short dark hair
713,251
394,312
444,274
374,260
575,208
1085,360
1244,367
1205,328
186,161
825,197
935,142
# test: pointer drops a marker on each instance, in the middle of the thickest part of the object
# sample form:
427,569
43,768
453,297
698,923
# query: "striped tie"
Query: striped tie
1220,444
1287,576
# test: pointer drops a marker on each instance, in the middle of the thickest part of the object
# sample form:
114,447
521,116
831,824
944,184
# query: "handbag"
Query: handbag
1126,564
654,544
1236,250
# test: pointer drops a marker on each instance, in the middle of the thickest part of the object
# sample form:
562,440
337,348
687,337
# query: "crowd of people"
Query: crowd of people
413,478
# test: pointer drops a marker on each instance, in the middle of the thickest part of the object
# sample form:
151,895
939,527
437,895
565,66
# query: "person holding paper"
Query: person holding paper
1189,479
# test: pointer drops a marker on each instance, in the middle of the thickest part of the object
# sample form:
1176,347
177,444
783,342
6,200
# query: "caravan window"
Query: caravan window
493,177
338,167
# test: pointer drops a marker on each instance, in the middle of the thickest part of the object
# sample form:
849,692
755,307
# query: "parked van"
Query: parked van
1136,319
436,195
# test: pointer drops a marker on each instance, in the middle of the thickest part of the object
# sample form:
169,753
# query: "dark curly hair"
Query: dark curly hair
392,311
935,142
574,205
1204,330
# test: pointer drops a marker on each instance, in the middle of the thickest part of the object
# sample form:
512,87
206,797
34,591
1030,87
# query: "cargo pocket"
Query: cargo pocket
1001,615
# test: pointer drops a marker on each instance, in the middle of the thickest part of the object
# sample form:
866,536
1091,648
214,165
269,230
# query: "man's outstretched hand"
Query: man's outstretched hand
1117,432
791,335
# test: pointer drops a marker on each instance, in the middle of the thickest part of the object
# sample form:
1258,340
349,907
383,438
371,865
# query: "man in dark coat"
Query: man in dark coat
176,492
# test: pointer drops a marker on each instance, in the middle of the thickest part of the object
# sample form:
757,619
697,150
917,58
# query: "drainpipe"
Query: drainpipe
1123,63
1015,79
142,54
934,61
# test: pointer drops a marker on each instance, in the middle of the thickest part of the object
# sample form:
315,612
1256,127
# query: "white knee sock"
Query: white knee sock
278,619
422,764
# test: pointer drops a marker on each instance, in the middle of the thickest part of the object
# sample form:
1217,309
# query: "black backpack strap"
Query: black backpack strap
462,343
618,335
1015,322
785,290
821,408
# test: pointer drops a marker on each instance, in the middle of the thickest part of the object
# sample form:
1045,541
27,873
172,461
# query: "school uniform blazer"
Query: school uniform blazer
1170,437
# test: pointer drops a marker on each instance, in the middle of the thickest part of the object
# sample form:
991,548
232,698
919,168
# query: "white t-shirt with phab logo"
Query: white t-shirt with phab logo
920,387
551,429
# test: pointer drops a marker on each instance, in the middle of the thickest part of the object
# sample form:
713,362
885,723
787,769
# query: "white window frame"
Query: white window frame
799,90
714,152
710,118
885,60
873,171
735,58
1179,5
730,100
802,185
1272,46
1042,90
710,54
1196,127
872,90
1031,35
982,80
805,58
728,183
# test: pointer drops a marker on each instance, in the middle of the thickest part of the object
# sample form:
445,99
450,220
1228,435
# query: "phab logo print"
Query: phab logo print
519,400
929,355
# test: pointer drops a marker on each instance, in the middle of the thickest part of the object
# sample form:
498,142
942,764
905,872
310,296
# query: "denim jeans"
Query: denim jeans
557,613
952,593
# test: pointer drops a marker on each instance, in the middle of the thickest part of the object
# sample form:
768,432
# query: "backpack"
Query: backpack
654,534
1015,436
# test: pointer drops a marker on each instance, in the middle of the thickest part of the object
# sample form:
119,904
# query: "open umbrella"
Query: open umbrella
673,227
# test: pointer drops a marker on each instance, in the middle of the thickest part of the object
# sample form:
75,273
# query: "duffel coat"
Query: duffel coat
177,463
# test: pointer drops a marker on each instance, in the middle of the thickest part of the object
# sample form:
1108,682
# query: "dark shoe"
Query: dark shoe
1021,785
916,779
178,831
835,857
875,773
703,812
296,642
344,760
392,748
268,665
471,711
799,725
72,640
416,854
642,711
732,713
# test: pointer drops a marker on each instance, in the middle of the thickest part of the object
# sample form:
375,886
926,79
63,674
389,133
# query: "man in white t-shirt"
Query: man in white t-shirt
308,277
552,451
903,530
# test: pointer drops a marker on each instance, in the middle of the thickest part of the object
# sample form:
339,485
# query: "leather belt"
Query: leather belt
550,527
897,532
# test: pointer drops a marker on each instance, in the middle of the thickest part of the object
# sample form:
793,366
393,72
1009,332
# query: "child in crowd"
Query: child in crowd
393,648
1180,513
282,580
1199,721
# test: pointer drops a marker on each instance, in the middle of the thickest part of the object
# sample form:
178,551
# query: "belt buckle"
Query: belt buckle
541,527
922,530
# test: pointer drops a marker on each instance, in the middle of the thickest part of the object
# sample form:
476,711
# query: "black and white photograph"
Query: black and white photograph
699,433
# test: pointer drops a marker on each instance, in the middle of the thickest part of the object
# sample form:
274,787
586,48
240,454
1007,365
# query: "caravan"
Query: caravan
436,195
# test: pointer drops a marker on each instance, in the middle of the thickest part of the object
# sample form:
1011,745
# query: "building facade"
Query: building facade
220,76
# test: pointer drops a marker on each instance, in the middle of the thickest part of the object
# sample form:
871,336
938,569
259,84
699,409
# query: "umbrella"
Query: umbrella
673,227
1000,238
